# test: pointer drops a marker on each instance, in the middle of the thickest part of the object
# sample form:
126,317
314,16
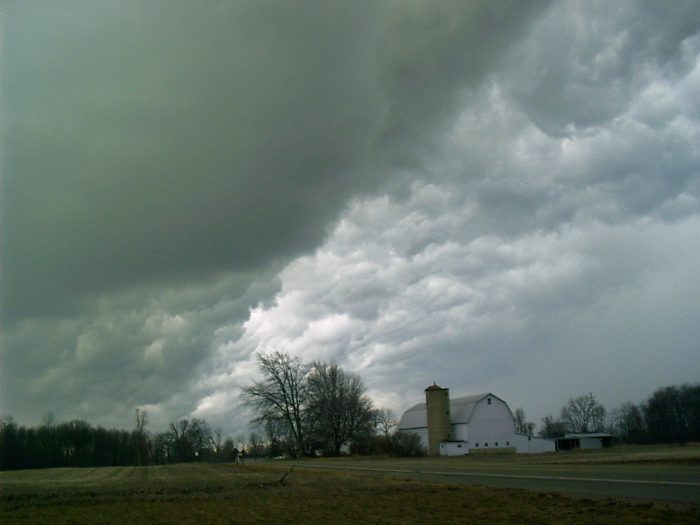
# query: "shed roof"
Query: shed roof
461,410
588,435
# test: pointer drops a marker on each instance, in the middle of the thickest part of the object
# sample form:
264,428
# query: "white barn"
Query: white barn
464,425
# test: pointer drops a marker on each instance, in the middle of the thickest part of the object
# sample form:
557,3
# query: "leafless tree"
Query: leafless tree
628,423
584,414
216,440
552,427
141,438
338,405
522,426
49,420
189,439
386,421
281,395
255,444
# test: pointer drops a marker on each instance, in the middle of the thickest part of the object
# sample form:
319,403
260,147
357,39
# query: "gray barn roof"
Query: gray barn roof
461,409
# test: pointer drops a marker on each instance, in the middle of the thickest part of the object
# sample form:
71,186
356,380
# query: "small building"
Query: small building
466,425
584,441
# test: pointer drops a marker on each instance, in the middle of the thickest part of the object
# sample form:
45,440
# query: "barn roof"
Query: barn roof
461,409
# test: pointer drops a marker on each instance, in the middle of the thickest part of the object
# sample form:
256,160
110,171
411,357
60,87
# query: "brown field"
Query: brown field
204,493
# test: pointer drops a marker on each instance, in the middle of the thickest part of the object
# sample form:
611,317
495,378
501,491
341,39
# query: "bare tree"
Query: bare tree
49,420
141,438
386,421
189,439
628,422
256,445
552,427
338,405
141,420
216,440
522,426
584,414
227,450
672,414
281,395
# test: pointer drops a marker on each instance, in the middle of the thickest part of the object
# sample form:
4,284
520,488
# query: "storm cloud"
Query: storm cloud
496,196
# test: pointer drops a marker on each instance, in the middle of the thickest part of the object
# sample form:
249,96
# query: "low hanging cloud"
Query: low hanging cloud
166,143
493,196
542,259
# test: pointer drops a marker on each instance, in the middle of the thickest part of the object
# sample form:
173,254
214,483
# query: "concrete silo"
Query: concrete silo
437,403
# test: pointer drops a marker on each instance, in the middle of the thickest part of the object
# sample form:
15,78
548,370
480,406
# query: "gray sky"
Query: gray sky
497,196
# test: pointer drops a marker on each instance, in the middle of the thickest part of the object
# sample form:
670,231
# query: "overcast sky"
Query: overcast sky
496,196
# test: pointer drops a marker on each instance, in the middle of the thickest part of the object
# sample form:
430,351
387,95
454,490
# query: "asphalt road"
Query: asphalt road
671,483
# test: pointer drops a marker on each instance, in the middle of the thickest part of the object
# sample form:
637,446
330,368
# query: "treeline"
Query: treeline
308,409
79,444
670,415
302,409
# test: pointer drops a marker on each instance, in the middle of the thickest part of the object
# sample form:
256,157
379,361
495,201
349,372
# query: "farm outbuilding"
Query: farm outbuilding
467,425
586,441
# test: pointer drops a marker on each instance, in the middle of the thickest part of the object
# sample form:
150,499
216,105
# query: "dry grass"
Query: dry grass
200,493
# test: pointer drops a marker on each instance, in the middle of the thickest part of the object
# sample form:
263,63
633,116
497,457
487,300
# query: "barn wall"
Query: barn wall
451,448
533,445
491,424
460,432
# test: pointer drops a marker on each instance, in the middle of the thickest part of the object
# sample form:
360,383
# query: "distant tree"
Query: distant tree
256,445
275,430
281,395
628,423
584,414
78,444
216,444
49,420
190,440
227,450
522,426
552,427
10,447
141,438
338,406
161,448
672,414
386,421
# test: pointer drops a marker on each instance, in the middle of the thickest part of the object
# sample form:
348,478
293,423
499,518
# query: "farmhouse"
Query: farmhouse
466,425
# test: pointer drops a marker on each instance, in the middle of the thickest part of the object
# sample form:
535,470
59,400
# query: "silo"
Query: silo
437,406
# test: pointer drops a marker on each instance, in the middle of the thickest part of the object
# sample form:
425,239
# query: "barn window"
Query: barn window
486,444
489,401
507,443
496,443
459,446
477,445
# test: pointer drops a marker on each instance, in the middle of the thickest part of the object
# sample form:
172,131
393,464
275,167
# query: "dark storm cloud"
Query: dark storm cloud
160,141
552,252
494,195
146,347
152,149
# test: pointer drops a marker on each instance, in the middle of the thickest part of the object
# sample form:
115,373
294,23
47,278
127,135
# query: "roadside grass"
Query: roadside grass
205,493
687,454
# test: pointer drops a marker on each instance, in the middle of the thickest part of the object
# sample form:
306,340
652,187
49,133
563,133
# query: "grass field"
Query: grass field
204,493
